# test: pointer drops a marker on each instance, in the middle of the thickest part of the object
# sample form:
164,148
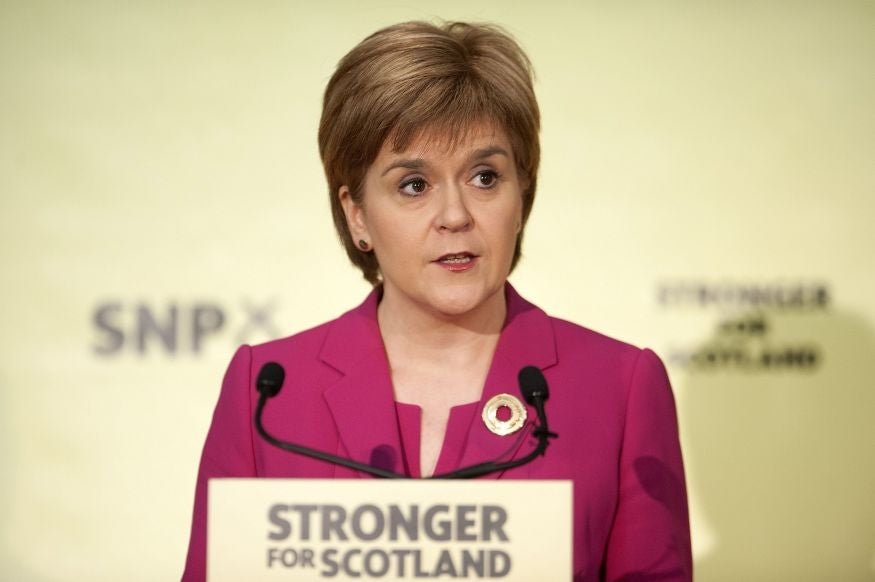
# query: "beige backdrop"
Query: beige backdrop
707,190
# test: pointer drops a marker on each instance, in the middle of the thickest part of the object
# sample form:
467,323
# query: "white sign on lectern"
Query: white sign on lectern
335,529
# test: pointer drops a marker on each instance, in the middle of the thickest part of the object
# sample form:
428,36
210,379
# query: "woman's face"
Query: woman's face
443,221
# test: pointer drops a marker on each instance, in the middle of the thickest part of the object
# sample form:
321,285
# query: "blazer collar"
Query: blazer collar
362,401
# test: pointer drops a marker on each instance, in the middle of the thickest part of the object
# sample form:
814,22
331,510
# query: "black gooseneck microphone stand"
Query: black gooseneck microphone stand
533,387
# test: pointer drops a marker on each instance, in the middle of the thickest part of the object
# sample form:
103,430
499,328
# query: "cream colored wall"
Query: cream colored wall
164,155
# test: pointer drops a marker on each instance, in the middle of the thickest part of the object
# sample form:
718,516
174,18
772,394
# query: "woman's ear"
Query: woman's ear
355,216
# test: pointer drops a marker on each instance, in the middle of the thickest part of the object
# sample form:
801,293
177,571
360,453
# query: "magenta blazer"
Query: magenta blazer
610,403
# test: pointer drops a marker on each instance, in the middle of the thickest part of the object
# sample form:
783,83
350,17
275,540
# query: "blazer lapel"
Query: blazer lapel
362,402
526,340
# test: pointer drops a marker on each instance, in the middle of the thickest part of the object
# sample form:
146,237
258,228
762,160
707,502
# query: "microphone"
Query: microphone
270,379
535,391
533,387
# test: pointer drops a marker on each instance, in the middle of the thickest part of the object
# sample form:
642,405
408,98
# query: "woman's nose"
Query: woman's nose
454,214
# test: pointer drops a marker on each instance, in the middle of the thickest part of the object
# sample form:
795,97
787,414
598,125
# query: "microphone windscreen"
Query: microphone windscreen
533,385
270,379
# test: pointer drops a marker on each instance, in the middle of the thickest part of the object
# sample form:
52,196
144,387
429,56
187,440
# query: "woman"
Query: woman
429,138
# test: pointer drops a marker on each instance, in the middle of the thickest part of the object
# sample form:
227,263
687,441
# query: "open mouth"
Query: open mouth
456,259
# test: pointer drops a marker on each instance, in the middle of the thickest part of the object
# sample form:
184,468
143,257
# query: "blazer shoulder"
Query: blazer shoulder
577,336
304,344
607,354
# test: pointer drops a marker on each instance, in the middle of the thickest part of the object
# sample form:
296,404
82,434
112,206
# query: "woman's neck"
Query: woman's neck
413,333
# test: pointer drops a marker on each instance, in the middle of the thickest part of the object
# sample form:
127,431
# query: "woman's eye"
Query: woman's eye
414,187
485,179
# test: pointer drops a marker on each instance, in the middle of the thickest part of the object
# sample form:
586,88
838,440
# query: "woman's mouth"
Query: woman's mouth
457,261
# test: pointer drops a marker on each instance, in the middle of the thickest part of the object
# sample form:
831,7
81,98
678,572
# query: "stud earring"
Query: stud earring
363,245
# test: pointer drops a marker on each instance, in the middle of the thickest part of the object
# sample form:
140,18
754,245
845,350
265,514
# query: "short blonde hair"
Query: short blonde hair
417,76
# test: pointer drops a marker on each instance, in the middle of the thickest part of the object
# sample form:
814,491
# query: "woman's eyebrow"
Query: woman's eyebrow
483,153
406,163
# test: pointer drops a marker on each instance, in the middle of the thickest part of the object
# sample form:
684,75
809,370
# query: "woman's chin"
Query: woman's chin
458,301
453,297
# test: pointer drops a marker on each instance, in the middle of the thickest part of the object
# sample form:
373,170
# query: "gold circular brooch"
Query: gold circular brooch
514,408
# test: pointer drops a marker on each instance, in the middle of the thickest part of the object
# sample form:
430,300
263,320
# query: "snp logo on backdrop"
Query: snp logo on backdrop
178,328
760,326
